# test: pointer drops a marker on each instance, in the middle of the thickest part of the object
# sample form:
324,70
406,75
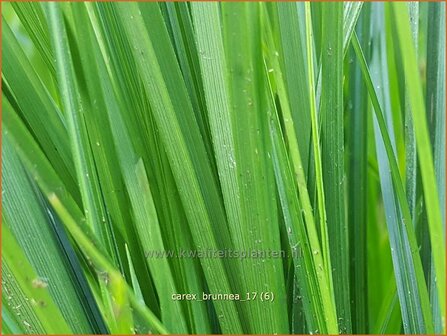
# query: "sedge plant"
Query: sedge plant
233,167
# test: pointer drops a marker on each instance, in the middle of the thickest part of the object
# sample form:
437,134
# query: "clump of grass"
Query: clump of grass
138,137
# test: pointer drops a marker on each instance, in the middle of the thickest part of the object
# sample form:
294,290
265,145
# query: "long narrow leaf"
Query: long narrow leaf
424,153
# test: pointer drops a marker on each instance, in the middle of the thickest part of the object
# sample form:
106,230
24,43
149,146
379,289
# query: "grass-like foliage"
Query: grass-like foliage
209,167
